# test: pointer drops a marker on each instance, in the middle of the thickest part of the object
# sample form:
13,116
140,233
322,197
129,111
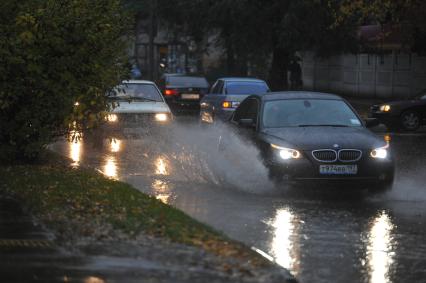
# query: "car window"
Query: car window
246,88
138,91
308,112
217,87
188,81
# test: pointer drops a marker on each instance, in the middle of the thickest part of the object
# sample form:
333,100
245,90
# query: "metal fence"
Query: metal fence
393,75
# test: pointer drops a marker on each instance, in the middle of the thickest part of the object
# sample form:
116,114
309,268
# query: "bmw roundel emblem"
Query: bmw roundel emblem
335,145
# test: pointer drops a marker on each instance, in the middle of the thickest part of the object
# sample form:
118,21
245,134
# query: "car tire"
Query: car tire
410,120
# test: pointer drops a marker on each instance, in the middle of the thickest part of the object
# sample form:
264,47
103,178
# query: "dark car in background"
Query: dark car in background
225,96
407,115
183,93
315,138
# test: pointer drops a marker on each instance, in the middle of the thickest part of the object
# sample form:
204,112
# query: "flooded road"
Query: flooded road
319,236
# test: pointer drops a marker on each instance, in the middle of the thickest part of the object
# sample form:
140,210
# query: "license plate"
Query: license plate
190,96
338,169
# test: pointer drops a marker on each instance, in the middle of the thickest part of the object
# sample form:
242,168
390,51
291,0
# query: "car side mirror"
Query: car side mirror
372,122
246,123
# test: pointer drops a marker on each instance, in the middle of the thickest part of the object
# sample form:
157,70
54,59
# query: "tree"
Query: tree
264,32
54,54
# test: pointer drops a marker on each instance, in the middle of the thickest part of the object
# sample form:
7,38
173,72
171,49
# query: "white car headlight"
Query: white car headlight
112,118
380,153
385,108
287,153
161,117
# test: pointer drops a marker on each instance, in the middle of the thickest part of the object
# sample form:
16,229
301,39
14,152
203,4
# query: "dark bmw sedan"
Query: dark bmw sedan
315,138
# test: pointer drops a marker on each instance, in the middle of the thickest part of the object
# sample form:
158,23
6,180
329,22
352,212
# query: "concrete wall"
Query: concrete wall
366,75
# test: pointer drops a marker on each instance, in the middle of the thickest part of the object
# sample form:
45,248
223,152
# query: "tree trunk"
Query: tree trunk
230,54
278,78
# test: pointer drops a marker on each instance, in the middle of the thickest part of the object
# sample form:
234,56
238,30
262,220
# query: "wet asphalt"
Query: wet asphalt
320,236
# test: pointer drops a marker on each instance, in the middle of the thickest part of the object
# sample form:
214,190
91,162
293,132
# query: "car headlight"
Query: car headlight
380,153
385,108
161,117
287,153
112,118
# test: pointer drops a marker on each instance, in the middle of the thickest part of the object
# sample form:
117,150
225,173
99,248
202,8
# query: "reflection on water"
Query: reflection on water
380,250
283,246
115,145
161,166
75,148
110,167
161,190
93,279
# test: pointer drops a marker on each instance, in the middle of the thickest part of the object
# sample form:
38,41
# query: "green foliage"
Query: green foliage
52,55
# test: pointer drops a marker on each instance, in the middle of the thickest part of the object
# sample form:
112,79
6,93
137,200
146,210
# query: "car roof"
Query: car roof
137,82
298,95
242,79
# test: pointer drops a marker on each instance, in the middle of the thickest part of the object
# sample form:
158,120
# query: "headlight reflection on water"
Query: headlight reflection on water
161,166
110,167
75,148
380,249
161,191
115,145
283,247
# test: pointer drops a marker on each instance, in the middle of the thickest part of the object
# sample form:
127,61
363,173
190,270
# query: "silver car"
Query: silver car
225,96
138,106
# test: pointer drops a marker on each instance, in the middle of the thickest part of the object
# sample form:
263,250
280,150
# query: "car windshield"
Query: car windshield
309,113
132,91
186,81
246,88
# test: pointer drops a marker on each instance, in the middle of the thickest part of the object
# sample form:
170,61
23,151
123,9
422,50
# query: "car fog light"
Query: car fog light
380,153
112,118
161,117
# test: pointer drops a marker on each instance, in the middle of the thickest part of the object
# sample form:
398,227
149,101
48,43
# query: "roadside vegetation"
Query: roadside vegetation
57,61
70,199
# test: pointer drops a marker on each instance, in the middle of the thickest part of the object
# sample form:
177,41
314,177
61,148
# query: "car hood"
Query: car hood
312,138
141,107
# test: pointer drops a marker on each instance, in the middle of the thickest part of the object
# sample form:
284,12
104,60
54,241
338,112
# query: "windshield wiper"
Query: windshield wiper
325,125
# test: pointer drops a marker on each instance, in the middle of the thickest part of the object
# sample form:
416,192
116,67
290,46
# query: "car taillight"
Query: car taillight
230,104
170,92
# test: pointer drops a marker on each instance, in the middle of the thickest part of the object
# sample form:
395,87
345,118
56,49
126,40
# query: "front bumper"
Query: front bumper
306,171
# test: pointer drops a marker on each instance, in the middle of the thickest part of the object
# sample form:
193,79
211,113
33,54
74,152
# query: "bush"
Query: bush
52,55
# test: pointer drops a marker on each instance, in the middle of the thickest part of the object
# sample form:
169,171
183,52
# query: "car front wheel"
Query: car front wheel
410,120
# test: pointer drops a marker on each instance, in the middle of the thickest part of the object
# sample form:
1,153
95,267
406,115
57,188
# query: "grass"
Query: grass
57,193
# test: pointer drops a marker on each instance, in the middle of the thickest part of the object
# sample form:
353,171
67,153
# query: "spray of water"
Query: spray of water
216,154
